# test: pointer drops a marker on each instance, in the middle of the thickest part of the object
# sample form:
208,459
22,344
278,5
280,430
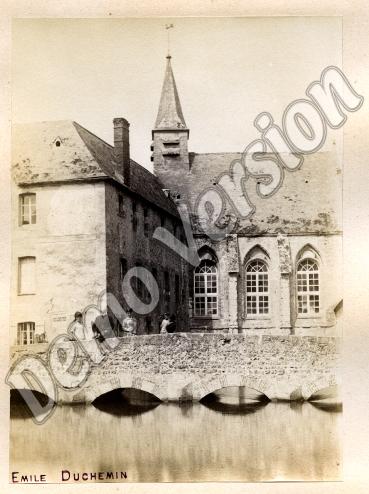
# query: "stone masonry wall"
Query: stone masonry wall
186,366
138,247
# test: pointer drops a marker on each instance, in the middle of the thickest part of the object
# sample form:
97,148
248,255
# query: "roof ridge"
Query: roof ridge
43,122
91,133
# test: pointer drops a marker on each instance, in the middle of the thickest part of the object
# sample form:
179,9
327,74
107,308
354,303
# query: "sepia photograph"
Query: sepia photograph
176,249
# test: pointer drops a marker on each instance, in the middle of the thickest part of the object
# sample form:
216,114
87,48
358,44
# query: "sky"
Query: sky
227,71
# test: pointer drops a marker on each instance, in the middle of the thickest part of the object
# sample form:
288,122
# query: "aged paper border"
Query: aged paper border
355,15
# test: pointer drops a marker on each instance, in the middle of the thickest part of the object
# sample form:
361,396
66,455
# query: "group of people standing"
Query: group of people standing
101,326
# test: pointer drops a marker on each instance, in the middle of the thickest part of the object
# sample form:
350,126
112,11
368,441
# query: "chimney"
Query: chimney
121,147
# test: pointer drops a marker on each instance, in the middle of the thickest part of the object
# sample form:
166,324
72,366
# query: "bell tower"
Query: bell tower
170,137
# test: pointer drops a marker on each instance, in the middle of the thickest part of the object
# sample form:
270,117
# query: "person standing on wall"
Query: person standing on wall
129,325
77,328
164,324
171,328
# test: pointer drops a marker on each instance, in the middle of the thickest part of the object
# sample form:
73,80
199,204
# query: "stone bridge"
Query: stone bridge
189,366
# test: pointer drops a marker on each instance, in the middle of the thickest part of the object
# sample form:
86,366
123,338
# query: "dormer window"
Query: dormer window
57,142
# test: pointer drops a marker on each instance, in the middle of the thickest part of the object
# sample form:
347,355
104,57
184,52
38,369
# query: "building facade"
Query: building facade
84,214
279,270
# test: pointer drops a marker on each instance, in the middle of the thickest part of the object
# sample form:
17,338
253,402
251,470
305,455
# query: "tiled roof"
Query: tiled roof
308,201
80,155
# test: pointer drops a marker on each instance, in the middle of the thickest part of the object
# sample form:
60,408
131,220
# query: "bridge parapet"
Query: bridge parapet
187,366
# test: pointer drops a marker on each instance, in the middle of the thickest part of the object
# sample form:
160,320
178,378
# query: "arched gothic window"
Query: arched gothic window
308,287
206,289
257,288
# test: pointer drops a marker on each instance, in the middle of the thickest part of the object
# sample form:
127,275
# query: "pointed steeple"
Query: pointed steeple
170,138
170,114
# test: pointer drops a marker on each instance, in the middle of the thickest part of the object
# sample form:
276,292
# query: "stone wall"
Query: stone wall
137,247
283,315
281,254
187,366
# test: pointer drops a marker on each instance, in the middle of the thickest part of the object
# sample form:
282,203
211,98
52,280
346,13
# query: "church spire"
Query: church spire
170,114
170,138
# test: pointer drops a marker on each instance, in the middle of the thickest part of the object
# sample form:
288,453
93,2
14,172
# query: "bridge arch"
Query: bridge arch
125,381
204,387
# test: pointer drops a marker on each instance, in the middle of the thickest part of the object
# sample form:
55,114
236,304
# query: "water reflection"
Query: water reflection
327,406
228,409
126,402
327,399
176,443
19,409
236,401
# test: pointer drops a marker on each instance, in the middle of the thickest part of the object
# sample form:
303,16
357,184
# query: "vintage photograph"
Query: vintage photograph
176,277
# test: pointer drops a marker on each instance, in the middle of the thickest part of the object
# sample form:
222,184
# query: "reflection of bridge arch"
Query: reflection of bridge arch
22,394
312,388
204,387
30,403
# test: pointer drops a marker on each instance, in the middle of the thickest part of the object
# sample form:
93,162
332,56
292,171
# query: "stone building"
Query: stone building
83,214
276,272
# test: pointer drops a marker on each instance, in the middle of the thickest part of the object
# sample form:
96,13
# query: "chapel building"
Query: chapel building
276,272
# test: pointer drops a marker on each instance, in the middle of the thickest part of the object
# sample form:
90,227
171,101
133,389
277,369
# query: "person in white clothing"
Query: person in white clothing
164,324
78,329
129,325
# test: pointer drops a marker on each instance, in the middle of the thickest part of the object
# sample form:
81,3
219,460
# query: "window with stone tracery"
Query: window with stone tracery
257,288
308,296
206,289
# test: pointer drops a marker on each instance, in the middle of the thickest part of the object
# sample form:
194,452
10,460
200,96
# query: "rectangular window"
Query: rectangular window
177,290
167,291
308,287
251,304
146,222
206,289
155,274
27,209
134,217
26,275
137,283
257,288
140,284
26,333
120,205
123,268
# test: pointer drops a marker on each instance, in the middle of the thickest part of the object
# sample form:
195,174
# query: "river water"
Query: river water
169,442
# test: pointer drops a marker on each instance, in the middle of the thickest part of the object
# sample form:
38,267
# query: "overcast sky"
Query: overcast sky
227,71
